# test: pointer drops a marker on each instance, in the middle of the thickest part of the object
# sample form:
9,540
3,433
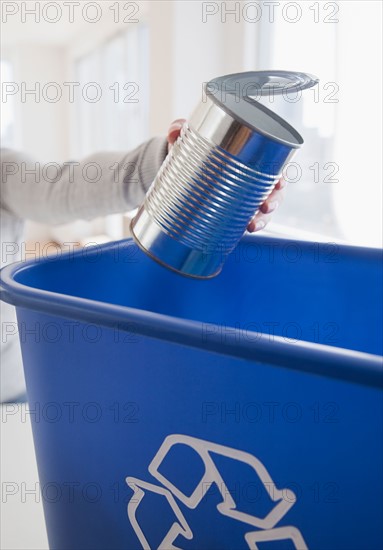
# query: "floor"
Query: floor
21,512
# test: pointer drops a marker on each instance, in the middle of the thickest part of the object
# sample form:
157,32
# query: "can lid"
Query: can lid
239,95
255,84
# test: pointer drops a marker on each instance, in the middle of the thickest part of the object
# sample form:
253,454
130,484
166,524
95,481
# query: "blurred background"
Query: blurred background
109,75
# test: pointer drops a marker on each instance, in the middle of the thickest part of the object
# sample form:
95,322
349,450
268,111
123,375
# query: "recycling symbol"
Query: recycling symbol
266,524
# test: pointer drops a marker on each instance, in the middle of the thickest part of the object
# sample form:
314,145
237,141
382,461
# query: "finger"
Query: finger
273,200
259,222
263,216
175,130
281,184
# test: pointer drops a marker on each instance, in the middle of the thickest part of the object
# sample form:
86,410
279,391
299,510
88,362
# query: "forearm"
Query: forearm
102,184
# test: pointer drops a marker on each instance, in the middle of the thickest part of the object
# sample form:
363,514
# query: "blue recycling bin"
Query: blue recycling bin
238,412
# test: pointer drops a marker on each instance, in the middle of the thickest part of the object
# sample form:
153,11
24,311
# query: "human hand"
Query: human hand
264,214
174,131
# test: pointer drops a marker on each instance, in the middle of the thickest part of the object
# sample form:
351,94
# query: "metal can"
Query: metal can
227,160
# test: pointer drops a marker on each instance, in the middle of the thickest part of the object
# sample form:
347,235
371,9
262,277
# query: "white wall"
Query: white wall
202,50
41,127
160,19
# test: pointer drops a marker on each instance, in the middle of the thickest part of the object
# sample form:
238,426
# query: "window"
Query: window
113,111
324,195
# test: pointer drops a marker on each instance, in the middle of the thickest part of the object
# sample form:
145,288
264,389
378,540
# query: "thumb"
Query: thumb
175,130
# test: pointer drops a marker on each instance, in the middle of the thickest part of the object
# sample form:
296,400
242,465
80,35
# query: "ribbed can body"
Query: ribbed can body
203,197
215,178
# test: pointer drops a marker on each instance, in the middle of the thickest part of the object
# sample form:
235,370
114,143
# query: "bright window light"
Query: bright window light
335,182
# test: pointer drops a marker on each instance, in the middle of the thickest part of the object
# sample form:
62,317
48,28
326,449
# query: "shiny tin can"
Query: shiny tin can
226,162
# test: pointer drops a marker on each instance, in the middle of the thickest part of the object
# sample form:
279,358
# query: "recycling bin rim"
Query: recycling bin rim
319,359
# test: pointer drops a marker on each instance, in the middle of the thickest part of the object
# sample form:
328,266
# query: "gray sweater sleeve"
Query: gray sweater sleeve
101,184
